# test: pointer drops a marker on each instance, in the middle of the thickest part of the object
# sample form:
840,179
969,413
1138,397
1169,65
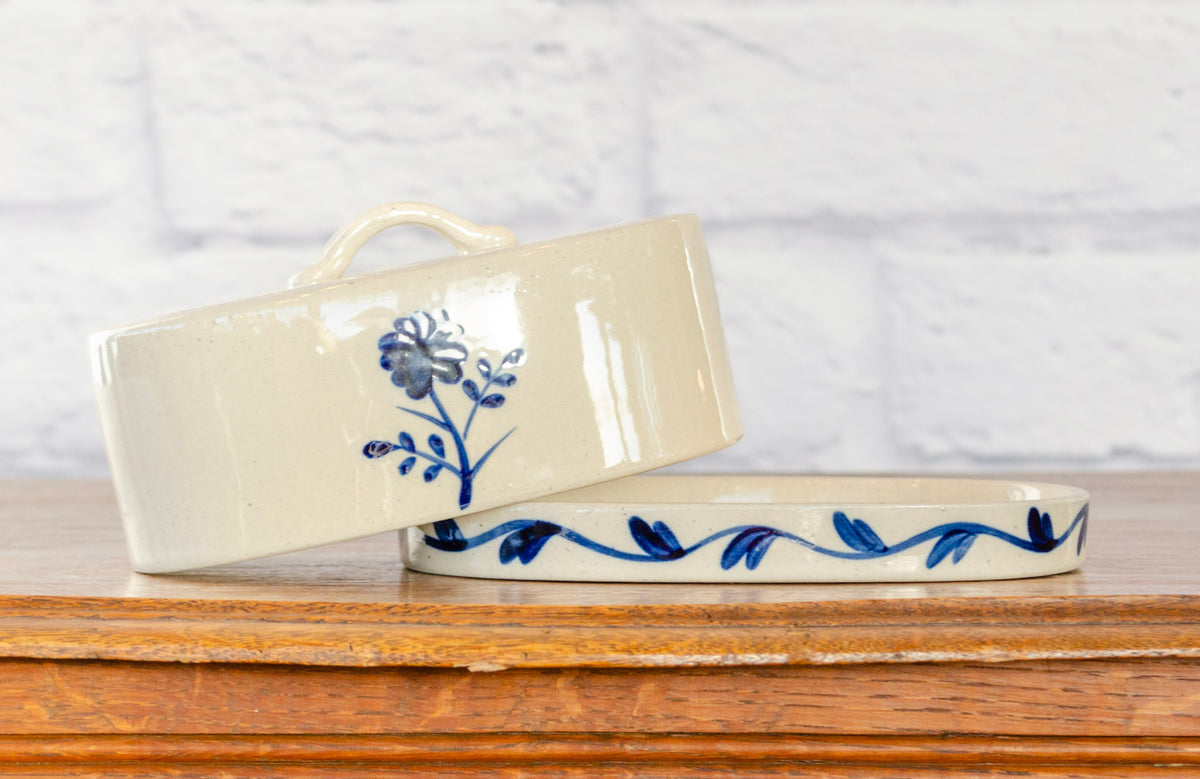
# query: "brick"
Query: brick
803,330
72,127
1068,358
274,115
893,109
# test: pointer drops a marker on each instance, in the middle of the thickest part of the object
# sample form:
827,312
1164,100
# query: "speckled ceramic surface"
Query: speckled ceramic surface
345,407
766,529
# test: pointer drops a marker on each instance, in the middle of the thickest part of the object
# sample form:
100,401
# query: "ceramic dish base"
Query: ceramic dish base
766,529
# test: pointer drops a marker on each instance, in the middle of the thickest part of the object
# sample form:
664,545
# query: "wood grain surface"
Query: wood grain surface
626,754
337,662
66,592
1036,698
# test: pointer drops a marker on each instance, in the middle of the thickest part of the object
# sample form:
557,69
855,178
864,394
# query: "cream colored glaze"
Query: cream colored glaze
811,491
697,507
236,431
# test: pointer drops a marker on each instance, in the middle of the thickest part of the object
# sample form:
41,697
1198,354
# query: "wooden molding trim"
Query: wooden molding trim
503,749
490,638
1073,609
1038,699
496,649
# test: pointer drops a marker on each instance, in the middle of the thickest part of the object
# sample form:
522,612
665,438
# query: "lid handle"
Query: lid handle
466,236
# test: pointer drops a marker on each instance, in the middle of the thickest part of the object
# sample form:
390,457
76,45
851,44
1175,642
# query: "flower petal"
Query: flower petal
419,377
429,325
450,352
407,326
449,372
397,362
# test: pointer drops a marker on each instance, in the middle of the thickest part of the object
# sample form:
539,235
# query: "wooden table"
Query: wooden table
336,662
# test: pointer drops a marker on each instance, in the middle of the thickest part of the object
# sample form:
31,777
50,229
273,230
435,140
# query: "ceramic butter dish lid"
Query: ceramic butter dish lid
345,407
766,529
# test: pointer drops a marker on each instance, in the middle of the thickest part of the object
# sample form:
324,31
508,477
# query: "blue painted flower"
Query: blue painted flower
422,349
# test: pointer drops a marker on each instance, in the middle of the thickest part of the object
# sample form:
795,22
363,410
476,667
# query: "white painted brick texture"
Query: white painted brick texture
948,236
1076,358
272,115
895,109
72,127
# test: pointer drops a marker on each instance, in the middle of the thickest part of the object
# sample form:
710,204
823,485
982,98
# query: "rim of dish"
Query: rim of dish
763,491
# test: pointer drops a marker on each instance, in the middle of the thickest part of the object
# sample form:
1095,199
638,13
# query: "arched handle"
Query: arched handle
466,236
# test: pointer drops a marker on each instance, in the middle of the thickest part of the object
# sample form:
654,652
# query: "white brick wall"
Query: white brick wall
269,113
894,109
948,235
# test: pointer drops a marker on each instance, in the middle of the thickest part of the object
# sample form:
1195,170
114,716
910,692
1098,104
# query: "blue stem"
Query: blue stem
465,473
479,463
478,400
431,419
434,459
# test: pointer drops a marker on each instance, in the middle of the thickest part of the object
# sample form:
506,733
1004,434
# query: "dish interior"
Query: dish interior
811,490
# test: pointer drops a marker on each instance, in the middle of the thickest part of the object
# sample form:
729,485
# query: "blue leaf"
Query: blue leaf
752,543
505,380
377,449
1047,525
407,465
849,536
947,544
448,530
857,534
872,541
758,550
1083,523
658,542
406,443
485,369
963,546
436,444
449,537
524,544
1041,530
471,388
492,401
664,532
432,472
514,357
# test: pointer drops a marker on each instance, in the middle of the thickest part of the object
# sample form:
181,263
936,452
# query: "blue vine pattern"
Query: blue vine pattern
419,349
523,539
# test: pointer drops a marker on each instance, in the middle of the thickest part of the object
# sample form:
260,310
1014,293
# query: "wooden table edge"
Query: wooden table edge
534,636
